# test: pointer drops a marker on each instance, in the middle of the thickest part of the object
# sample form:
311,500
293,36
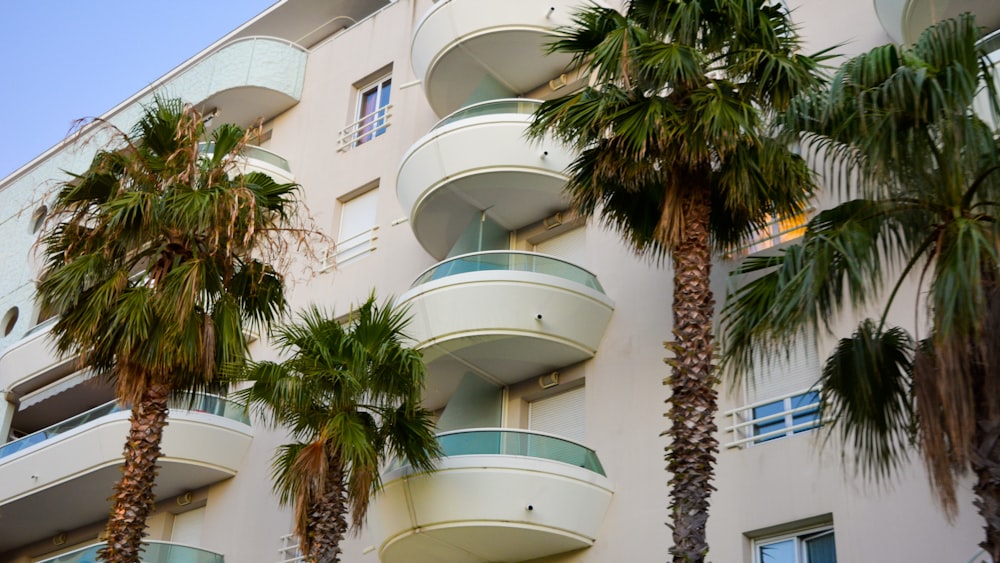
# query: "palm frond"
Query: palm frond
865,391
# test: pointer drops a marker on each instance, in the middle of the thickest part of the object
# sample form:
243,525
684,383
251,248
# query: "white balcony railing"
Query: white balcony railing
289,550
364,129
348,250
776,417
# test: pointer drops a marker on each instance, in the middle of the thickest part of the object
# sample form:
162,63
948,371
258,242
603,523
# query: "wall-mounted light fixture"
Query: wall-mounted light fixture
549,380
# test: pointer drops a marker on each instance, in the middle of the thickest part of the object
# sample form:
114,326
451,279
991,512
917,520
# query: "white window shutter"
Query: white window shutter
562,415
569,246
780,376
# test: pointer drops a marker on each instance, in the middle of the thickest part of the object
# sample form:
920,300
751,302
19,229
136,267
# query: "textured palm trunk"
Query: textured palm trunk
133,499
985,451
327,520
986,465
692,405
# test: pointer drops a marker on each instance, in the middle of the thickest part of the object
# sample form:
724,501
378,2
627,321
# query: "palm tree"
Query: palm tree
350,394
675,155
920,172
157,264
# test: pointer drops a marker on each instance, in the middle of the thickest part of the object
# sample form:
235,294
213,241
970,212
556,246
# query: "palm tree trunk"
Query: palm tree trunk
133,499
327,523
986,465
692,405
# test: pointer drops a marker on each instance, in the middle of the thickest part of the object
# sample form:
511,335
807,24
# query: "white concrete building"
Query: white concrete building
403,121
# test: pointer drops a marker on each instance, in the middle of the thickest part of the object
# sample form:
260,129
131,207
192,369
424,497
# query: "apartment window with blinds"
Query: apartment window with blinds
570,246
781,399
356,234
560,415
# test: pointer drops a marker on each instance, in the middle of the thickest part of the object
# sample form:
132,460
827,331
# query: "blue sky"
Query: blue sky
62,60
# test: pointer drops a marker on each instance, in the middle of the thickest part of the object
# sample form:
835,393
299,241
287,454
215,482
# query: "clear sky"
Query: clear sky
62,60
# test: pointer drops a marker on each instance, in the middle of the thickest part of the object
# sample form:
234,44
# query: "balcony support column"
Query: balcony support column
8,406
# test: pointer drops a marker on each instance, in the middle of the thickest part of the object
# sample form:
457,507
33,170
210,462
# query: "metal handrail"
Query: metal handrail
774,399
475,110
583,456
251,152
159,552
370,125
742,421
99,412
427,273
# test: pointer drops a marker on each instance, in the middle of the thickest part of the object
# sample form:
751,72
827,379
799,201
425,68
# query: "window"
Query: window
781,398
38,219
562,414
10,320
793,414
778,230
372,117
356,235
812,546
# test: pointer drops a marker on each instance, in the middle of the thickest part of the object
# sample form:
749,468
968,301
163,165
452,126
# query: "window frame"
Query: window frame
371,124
789,419
799,537
358,244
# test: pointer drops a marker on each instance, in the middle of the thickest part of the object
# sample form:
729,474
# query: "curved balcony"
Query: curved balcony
153,552
60,477
466,51
497,495
903,20
246,80
257,159
510,315
477,160
33,361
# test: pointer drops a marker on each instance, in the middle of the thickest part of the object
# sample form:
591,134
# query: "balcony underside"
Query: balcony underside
476,509
247,105
466,51
903,20
481,164
33,362
488,323
64,483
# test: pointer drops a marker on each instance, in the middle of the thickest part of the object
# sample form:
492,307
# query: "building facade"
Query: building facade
404,123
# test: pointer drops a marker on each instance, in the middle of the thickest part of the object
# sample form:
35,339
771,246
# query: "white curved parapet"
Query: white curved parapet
477,160
512,315
496,495
59,478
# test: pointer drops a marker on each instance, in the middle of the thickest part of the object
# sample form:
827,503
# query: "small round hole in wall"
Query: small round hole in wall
9,320
38,219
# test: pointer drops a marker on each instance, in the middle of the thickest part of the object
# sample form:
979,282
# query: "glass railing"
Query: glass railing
153,552
501,441
252,152
492,107
990,43
210,404
510,261
41,327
